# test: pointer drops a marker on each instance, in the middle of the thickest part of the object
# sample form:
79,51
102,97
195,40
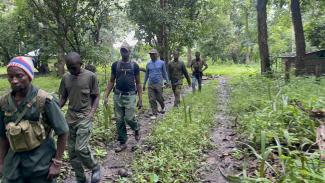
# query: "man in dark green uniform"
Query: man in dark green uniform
125,76
177,71
34,108
197,65
80,87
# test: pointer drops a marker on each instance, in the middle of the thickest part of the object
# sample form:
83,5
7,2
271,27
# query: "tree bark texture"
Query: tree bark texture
262,36
299,37
163,36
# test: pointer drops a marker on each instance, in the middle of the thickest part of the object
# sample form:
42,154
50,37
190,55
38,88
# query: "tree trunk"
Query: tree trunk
248,53
299,37
262,36
163,41
189,56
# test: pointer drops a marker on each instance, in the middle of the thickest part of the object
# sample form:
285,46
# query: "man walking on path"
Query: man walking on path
177,71
156,73
197,71
80,87
27,117
125,76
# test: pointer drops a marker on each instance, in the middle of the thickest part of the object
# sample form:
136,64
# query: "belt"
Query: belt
125,93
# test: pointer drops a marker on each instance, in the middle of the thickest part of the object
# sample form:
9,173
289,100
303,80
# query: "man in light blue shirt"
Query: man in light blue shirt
156,73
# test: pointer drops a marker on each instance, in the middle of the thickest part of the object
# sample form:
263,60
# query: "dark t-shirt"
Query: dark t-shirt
125,76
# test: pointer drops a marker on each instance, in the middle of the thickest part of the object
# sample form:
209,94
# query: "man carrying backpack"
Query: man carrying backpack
125,76
28,116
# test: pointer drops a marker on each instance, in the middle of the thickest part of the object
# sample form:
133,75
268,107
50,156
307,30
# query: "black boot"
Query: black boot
95,176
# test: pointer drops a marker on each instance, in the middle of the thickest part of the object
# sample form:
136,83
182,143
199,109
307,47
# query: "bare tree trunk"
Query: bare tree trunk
248,53
299,37
163,40
189,56
262,36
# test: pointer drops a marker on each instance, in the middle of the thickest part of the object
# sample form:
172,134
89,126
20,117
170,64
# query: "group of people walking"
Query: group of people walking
29,116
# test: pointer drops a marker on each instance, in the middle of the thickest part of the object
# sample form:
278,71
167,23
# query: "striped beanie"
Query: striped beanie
25,63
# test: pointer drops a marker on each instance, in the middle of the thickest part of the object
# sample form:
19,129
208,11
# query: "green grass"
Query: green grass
177,142
3,70
232,70
263,105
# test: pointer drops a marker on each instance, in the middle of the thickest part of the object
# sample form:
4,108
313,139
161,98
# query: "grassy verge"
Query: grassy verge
176,141
281,136
232,69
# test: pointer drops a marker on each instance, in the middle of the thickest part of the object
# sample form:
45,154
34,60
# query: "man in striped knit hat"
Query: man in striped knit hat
27,117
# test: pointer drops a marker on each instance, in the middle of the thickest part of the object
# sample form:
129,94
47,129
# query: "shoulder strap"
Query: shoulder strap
41,99
22,114
118,66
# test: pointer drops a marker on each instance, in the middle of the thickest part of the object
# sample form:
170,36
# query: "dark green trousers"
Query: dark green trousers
125,108
79,149
155,94
38,179
177,89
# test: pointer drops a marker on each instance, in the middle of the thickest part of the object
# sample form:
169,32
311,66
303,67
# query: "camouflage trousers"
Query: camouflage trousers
177,89
38,179
155,93
124,108
79,149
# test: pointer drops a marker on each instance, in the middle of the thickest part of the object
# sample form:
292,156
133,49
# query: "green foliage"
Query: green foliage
176,142
263,107
179,17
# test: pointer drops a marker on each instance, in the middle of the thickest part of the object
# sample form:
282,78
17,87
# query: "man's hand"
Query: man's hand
139,104
54,171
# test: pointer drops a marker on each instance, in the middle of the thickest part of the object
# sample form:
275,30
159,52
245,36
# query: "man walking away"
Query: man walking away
197,71
156,73
125,76
177,71
80,87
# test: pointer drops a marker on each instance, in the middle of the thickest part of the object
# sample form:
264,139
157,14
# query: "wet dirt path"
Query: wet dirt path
120,163
218,162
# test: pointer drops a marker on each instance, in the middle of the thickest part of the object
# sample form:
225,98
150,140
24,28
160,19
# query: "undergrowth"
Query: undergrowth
278,133
177,140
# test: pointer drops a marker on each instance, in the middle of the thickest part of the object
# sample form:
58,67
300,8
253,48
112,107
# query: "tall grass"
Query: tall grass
263,108
177,140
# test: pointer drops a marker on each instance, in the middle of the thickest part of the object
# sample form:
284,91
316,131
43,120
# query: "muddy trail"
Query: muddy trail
218,162
116,165
215,164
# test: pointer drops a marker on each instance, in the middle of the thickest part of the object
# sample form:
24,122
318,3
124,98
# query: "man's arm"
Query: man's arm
205,66
63,94
94,105
186,74
110,86
139,89
55,167
164,72
146,76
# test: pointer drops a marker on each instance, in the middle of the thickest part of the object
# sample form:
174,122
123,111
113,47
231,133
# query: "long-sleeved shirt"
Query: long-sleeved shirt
156,72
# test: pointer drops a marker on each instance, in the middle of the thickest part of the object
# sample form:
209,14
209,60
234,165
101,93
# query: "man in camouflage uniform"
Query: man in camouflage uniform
177,71
80,87
197,65
28,103
125,76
